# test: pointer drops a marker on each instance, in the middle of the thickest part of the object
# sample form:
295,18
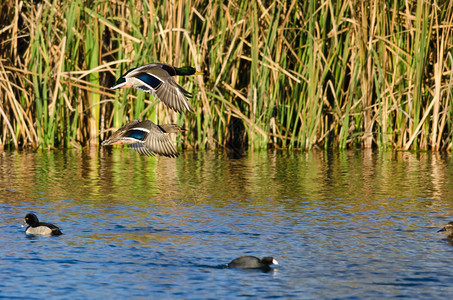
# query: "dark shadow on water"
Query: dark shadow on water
179,231
449,239
409,281
225,266
38,237
236,142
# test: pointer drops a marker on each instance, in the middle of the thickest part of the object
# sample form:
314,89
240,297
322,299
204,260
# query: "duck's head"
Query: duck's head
448,228
171,128
184,71
32,220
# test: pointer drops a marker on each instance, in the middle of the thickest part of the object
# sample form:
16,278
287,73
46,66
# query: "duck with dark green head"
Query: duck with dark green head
156,78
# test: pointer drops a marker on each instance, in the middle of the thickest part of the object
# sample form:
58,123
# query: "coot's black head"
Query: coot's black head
269,260
32,220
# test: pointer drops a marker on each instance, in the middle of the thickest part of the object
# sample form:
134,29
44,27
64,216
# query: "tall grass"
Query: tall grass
289,74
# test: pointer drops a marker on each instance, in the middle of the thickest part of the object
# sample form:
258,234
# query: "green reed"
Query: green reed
296,74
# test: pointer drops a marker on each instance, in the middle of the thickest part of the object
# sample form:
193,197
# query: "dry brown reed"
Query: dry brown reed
286,74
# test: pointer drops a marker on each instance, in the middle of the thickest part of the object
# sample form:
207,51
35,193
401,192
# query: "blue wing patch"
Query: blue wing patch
150,80
137,134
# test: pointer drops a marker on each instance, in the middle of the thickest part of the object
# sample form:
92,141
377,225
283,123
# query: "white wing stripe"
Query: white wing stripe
141,129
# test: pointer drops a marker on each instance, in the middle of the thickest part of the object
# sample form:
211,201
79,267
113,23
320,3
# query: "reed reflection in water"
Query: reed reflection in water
352,224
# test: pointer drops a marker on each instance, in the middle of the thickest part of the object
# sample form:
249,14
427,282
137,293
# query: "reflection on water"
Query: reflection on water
356,224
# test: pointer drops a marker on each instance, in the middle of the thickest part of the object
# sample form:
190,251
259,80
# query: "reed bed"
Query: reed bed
285,74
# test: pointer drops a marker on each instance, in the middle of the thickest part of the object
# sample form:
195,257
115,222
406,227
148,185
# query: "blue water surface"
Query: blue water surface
349,225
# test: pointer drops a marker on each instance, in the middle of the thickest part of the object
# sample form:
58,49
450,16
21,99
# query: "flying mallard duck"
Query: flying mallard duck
146,138
156,78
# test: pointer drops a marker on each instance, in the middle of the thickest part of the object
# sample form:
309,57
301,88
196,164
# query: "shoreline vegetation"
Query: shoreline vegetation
287,75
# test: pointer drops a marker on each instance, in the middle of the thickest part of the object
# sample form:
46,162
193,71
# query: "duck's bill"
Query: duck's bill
442,229
275,262
199,73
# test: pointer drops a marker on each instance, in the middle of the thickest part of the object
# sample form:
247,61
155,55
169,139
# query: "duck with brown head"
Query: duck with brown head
448,228
146,138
